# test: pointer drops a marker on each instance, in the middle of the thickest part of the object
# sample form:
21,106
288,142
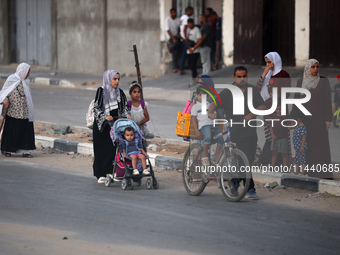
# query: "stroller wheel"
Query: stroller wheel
124,184
149,183
155,183
138,183
108,181
130,184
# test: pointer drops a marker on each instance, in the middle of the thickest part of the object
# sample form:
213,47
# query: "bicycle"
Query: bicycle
232,181
336,118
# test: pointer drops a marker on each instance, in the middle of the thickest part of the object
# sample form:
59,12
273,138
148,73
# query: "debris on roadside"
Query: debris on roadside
270,186
154,147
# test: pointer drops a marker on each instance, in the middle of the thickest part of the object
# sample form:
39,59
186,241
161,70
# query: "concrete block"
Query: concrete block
66,84
66,145
44,141
331,187
168,162
267,177
85,148
42,81
300,182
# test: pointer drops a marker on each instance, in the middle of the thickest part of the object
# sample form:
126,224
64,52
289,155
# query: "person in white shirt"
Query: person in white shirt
193,42
183,26
203,125
172,33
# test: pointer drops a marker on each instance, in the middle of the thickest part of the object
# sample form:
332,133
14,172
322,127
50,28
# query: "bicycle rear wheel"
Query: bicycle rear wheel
234,180
193,180
336,120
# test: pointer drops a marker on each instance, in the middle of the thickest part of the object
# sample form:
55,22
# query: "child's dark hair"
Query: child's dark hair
296,114
199,90
133,85
129,129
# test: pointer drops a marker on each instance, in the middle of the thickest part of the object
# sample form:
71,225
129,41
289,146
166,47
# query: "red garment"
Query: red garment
213,22
320,106
281,79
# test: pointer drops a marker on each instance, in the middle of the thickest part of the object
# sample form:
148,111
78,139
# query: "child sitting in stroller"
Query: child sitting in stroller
134,150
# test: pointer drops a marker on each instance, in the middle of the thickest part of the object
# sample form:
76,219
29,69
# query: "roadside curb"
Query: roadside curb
167,162
46,81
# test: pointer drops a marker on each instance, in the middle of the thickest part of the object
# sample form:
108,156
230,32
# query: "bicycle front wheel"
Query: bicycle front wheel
235,177
336,120
193,180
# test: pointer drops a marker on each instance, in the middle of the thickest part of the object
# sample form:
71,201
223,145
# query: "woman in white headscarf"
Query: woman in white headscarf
18,133
273,77
110,104
320,106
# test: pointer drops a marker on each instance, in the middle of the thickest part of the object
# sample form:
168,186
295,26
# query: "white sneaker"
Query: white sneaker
146,172
135,172
101,180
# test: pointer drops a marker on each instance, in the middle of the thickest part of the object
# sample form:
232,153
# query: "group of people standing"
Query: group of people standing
187,41
311,141
310,137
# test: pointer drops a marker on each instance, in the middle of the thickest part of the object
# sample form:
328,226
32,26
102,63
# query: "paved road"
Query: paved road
69,106
167,218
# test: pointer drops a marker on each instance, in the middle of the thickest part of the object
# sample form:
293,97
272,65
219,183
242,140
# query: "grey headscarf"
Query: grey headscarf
309,81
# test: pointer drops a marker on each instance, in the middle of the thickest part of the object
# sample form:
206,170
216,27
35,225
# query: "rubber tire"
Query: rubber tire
131,184
149,183
108,181
124,184
155,183
200,189
247,177
336,122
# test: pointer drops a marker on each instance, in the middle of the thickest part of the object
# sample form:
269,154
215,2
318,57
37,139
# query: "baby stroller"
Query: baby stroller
122,167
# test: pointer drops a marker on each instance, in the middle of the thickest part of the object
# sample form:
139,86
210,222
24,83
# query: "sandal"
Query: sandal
8,155
27,156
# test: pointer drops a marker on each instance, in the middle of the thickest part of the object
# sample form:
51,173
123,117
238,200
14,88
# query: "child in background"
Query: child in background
279,138
134,150
138,110
336,95
204,125
299,140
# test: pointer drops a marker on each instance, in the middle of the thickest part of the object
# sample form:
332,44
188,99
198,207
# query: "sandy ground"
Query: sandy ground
84,136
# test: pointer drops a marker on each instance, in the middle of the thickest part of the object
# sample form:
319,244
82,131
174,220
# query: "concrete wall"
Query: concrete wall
5,55
132,22
80,36
166,57
228,31
301,31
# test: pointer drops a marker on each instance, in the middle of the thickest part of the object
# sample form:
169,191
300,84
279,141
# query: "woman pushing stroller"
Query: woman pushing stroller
110,104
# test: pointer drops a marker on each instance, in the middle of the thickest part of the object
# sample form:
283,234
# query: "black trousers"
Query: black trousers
193,58
176,52
248,145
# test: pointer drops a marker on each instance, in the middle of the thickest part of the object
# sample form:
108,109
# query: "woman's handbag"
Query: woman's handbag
90,116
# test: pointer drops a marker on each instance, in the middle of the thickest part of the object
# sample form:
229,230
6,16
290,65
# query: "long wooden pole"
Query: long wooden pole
139,77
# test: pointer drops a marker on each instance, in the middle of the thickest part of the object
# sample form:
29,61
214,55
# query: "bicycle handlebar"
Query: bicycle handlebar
221,134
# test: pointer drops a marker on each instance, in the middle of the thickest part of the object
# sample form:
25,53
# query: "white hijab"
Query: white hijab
276,59
309,81
111,95
13,81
